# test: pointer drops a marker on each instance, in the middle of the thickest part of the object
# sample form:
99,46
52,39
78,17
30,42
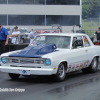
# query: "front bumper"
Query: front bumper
28,71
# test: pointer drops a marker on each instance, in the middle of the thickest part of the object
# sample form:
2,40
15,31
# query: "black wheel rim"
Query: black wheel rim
61,70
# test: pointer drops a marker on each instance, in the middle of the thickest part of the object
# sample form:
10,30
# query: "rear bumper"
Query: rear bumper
28,71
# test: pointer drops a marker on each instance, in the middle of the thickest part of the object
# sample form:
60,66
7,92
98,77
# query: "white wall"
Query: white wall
41,9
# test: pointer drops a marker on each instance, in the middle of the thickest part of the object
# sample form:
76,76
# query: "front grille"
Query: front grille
14,60
25,61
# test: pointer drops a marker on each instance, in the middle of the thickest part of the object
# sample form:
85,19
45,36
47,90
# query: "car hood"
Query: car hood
36,51
59,52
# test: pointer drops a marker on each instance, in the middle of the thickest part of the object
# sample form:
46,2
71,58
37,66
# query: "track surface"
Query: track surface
77,86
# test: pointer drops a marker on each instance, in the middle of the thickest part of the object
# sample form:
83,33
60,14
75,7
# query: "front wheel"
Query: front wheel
14,76
61,73
93,66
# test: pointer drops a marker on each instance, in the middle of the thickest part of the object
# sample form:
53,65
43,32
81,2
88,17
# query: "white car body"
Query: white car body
75,59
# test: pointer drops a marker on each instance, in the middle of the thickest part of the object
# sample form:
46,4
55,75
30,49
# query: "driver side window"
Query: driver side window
77,42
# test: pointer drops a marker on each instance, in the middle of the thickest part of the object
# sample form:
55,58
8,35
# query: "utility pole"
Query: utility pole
99,17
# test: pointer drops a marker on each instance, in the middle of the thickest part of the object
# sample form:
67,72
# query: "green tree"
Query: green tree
90,8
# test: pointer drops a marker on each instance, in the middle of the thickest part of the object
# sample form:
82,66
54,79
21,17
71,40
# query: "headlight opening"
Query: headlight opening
48,62
4,60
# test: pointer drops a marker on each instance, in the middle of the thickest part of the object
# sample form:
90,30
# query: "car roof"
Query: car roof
64,34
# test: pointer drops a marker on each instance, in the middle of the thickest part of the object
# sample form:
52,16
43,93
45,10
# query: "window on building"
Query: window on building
26,20
26,1
63,2
39,20
13,19
3,19
3,1
64,20
39,1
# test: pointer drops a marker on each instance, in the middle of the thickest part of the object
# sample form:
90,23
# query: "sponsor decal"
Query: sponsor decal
24,72
81,64
84,64
88,61
70,66
36,32
77,66
69,70
73,67
46,31
55,31
72,70
54,46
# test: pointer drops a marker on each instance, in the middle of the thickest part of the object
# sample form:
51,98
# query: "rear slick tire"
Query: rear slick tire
93,66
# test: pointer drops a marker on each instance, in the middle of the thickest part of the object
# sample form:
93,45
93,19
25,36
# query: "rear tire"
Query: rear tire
61,73
93,66
14,76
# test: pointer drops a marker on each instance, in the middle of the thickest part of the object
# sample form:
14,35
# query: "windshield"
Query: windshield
60,41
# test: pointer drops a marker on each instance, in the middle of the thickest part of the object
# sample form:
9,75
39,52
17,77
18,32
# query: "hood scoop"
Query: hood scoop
35,51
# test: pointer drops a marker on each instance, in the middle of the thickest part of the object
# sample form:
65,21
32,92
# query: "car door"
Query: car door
88,48
78,57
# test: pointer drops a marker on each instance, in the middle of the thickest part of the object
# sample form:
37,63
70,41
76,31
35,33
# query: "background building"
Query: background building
40,14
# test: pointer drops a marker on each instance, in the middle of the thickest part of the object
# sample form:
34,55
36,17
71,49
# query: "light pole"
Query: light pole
99,17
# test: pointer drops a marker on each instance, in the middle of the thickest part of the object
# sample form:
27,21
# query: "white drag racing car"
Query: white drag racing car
53,54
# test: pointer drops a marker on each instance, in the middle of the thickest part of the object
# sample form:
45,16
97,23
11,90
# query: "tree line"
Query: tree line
90,9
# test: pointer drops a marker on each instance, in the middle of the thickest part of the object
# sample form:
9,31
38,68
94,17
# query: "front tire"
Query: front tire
14,76
93,66
61,73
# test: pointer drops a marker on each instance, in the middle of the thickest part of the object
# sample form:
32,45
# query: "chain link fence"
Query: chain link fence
90,25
